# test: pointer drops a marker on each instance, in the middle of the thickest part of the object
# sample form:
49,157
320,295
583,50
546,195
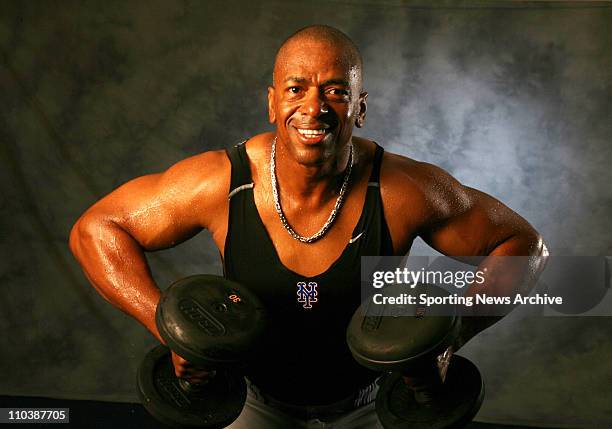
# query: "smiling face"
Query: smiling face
316,99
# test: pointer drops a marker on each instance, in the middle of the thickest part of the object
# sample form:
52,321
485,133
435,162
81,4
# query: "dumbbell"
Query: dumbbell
214,324
409,340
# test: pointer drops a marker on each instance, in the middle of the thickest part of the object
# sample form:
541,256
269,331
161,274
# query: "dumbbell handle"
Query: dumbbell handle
194,388
424,387
427,380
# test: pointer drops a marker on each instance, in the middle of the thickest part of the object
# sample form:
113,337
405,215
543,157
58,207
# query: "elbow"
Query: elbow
542,253
74,239
527,242
534,246
531,243
82,232
535,243
542,247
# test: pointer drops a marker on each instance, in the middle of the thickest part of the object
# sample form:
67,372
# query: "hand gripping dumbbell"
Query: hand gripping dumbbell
426,387
214,324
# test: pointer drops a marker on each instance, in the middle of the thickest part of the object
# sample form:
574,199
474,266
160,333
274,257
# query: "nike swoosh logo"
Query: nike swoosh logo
357,237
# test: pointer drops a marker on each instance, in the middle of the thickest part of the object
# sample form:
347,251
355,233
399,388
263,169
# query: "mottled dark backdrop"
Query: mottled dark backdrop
512,98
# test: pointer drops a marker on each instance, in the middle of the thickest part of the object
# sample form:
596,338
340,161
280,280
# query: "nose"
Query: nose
314,105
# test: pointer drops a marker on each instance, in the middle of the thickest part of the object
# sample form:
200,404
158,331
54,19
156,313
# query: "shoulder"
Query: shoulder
205,169
424,191
204,175
258,147
209,173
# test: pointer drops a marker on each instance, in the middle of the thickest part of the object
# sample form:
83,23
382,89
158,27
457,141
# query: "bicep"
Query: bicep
477,227
155,213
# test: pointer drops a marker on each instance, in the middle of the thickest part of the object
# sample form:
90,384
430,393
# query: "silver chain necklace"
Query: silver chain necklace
332,215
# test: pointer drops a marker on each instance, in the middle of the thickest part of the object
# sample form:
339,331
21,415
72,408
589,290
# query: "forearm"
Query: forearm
511,268
117,268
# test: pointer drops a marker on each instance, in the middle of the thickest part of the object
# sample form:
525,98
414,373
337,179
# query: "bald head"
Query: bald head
324,38
317,85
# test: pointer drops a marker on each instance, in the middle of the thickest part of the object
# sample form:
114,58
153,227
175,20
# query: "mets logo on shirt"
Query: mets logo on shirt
307,293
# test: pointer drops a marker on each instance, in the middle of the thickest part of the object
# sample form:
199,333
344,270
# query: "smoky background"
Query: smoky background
512,98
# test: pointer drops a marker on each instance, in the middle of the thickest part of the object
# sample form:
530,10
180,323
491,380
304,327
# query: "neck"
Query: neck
311,184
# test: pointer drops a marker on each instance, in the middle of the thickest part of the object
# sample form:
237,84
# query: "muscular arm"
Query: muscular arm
467,222
459,221
486,227
148,213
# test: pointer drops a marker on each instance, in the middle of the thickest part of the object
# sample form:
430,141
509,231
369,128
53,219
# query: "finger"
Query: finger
178,360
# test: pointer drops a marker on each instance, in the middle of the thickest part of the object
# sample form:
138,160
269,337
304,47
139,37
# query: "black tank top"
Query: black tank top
306,360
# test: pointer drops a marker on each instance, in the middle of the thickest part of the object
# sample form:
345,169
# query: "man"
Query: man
305,202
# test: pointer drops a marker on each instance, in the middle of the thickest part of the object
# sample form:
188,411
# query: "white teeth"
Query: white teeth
311,133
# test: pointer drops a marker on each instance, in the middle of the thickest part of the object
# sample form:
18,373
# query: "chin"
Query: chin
311,156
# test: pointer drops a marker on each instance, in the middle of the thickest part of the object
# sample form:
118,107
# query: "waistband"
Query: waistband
325,412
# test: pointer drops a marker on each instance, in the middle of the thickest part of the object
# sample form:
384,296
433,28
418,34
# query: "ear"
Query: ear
271,105
363,106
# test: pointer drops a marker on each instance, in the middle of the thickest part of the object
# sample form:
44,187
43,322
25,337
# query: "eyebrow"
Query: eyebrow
335,82
299,79
295,79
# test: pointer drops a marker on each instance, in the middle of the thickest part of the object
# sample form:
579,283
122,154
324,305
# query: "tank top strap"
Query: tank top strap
241,170
377,240
375,175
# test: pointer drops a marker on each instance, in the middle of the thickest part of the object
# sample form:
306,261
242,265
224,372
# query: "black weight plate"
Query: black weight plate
210,321
217,405
386,337
460,399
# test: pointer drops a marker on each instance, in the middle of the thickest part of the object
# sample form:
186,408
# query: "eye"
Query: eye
294,89
338,92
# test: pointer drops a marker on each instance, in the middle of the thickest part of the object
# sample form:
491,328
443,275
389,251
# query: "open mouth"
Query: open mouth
309,135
